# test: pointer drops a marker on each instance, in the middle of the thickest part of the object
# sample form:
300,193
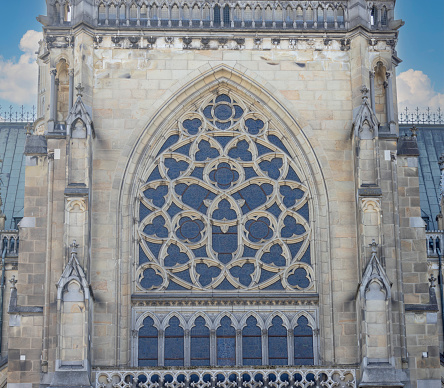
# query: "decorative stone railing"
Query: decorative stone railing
249,14
434,241
228,378
9,239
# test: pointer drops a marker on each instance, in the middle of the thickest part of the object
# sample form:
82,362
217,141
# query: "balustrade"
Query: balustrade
228,378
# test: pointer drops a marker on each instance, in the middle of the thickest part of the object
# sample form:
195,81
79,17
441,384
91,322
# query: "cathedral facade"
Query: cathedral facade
216,194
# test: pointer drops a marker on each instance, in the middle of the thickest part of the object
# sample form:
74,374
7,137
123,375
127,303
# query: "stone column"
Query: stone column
389,101
290,346
53,101
238,347
71,89
187,347
213,348
264,336
372,91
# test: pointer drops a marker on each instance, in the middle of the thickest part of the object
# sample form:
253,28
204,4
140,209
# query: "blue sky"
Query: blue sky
420,47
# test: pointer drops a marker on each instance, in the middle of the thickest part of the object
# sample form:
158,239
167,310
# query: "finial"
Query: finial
364,91
13,282
80,90
374,246
74,247
414,130
432,281
28,129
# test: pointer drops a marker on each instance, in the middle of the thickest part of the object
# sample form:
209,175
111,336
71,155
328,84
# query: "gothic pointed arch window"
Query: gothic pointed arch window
148,343
200,343
224,209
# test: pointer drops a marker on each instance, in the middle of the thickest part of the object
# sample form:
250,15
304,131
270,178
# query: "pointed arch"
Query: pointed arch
174,104
139,321
251,313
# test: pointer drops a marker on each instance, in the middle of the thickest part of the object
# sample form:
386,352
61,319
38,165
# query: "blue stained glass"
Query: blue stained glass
224,243
143,211
148,343
168,143
290,195
154,248
277,343
291,228
262,150
292,176
175,256
143,258
156,228
184,150
206,274
151,279
265,275
243,274
249,252
259,229
249,172
207,112
223,140
254,126
254,196
304,211
190,230
240,151
303,343
274,256
225,285
173,286
194,196
192,126
223,125
157,195
206,152
251,343
200,343
278,142
175,168
272,168
224,211
238,112
294,248
174,344
200,252
306,257
226,343
184,275
223,112
155,175
173,210
223,98
299,278
224,176
198,172
275,210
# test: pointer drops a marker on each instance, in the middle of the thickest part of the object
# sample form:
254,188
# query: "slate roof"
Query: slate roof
12,170
431,145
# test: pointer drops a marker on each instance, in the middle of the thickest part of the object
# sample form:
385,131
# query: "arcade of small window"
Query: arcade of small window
251,341
224,208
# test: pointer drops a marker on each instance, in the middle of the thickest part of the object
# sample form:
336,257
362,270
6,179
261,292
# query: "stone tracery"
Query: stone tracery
223,206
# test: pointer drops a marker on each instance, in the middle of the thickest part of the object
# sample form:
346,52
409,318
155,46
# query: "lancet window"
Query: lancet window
255,339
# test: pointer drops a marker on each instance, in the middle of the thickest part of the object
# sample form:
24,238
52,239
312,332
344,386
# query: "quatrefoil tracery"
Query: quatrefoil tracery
223,206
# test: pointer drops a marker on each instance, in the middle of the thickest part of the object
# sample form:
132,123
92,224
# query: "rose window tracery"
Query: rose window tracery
223,206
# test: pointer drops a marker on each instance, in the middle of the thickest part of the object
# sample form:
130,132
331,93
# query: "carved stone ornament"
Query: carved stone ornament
345,44
74,204
370,205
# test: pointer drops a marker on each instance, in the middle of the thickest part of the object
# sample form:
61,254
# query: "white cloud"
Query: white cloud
415,90
18,79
